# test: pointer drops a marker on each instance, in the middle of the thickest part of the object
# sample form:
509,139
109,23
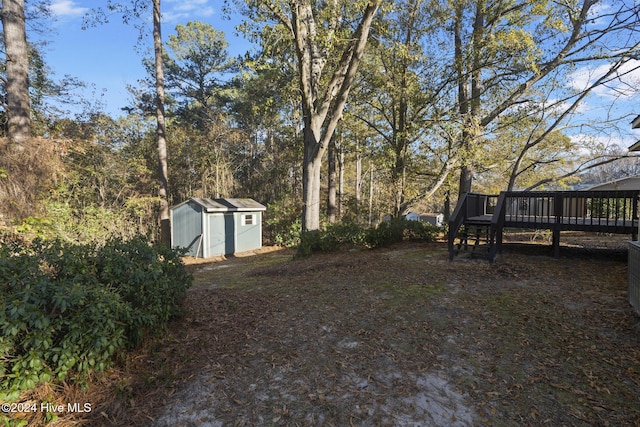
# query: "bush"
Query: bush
55,317
66,309
331,238
282,225
336,236
150,279
418,230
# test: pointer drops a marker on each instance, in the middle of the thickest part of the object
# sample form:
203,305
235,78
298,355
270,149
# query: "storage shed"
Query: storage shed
436,219
215,227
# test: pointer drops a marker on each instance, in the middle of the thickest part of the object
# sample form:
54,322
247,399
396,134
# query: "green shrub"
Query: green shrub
150,279
345,234
418,230
56,319
337,236
386,233
282,225
66,309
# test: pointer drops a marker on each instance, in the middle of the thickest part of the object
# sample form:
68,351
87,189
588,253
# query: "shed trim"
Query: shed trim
225,205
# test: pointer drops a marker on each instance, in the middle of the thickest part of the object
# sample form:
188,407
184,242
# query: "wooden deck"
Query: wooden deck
591,211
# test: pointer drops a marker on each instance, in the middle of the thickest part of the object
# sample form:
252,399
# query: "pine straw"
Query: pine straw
398,336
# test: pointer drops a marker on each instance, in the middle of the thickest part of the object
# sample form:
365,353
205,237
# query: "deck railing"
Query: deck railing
572,209
596,211
634,275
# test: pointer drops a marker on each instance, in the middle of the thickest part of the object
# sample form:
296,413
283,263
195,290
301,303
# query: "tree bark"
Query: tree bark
332,184
322,109
371,191
312,163
17,69
165,225
340,179
358,189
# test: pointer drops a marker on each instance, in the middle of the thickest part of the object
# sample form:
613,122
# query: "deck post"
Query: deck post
556,242
634,216
497,224
558,207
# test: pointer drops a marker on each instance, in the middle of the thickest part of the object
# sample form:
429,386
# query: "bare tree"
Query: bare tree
500,61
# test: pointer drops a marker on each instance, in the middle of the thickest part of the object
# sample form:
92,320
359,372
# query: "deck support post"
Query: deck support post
558,207
556,242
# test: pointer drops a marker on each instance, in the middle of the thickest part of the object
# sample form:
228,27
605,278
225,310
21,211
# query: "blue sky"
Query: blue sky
106,56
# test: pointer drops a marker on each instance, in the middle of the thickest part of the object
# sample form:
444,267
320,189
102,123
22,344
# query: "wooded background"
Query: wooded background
348,111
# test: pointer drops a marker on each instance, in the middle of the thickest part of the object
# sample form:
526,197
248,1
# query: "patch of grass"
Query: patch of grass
399,294
236,273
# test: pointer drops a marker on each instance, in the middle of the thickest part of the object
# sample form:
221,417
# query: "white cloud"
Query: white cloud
624,84
184,10
67,8
600,143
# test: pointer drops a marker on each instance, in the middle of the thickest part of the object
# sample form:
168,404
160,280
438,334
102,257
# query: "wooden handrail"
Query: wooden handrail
497,223
599,210
556,207
455,222
469,205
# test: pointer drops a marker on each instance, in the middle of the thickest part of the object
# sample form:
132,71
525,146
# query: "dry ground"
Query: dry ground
392,337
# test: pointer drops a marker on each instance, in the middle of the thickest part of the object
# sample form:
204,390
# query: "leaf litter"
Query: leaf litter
393,337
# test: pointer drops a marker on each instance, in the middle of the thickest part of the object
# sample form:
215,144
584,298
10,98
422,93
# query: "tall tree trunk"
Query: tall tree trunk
358,188
463,99
447,205
312,163
371,192
322,112
17,68
340,179
331,196
163,176
469,104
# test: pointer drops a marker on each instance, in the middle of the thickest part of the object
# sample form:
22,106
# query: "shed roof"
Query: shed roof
227,205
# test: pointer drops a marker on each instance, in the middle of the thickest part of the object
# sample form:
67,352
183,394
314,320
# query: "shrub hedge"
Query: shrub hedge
66,310
335,236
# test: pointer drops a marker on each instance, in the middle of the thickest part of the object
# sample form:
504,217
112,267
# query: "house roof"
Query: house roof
635,147
635,123
226,205
626,183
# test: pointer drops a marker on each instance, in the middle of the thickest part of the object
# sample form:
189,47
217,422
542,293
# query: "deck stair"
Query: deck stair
479,220
473,237
470,227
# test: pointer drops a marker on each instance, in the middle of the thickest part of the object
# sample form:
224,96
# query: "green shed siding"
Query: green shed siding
248,233
186,228
217,227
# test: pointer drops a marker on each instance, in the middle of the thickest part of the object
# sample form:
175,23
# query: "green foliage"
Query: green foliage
418,230
336,236
386,233
56,318
66,310
282,224
150,280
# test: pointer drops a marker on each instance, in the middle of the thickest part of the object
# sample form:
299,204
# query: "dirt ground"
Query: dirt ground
398,336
